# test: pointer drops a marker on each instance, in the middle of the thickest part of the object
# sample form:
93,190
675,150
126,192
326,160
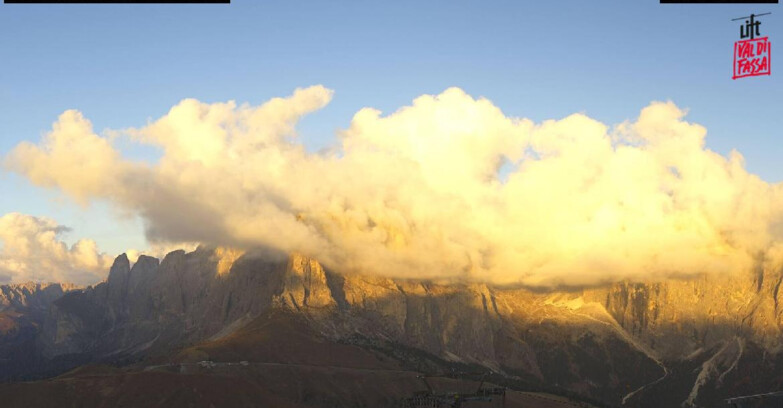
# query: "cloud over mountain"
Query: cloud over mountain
31,250
423,192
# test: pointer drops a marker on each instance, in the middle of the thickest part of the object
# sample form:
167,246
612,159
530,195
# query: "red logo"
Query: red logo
751,58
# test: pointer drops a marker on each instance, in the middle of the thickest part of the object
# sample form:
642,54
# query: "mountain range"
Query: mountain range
232,328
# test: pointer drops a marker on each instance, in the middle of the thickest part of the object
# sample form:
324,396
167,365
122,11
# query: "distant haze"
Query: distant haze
446,188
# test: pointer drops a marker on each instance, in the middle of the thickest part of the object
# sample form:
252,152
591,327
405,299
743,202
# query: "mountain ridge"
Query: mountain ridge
628,343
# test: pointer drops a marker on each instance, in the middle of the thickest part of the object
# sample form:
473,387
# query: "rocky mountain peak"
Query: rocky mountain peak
20,296
613,343
305,284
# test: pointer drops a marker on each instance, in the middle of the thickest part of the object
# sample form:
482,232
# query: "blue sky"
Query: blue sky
122,65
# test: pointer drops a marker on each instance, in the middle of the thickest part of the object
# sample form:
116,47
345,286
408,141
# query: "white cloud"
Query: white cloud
31,250
160,250
417,193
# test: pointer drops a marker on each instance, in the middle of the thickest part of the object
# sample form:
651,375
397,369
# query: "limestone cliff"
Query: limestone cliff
673,343
23,309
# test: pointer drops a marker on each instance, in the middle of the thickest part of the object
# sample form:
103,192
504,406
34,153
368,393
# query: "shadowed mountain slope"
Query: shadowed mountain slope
689,343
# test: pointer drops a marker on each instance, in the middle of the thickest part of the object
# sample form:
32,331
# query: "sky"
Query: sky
125,66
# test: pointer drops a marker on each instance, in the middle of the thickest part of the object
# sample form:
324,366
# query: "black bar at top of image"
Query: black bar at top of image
117,1
719,1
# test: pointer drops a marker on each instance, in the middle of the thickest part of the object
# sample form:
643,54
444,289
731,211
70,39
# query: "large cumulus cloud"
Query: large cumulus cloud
423,192
31,249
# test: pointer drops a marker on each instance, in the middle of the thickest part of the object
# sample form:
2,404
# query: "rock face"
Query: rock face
31,297
676,343
680,317
151,306
718,336
23,308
